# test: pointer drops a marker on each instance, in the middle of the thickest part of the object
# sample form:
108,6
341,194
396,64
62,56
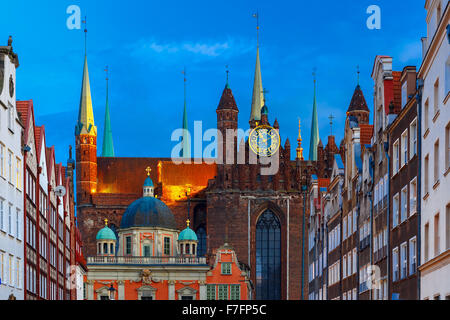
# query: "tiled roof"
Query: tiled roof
366,133
397,87
358,102
227,100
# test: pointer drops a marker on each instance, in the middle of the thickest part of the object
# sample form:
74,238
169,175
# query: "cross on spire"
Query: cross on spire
357,71
148,169
228,72
264,92
331,117
188,222
85,34
106,222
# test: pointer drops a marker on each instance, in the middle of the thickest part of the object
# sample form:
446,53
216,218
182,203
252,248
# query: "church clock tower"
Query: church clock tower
86,143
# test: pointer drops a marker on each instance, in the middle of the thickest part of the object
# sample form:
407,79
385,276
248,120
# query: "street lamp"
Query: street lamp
111,292
304,189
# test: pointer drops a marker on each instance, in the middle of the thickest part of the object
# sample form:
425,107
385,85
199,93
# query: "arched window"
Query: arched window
105,248
268,257
201,236
113,227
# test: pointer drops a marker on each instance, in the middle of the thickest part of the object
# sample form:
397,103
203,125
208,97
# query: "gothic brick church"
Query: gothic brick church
259,216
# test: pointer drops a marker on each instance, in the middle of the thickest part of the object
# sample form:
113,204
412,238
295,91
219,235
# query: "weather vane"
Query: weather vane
227,71
256,15
314,73
264,92
85,34
106,70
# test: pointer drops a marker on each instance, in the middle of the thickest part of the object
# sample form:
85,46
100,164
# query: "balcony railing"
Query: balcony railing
147,260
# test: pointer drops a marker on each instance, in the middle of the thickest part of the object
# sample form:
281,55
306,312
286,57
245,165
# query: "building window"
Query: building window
395,264
404,156
447,229
2,159
146,251
349,221
167,246
11,117
344,227
128,246
222,292
1,214
18,176
426,118
436,161
447,147
396,157
201,235
404,203
403,260
426,171
412,255
427,242
413,138
235,292
268,257
10,169
226,268
395,207
436,96
210,292
413,196
437,237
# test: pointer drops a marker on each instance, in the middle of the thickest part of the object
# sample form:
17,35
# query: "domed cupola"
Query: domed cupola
148,188
106,241
148,211
187,240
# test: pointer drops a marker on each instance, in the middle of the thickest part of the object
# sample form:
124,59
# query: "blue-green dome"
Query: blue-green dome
264,110
106,234
148,182
148,212
187,234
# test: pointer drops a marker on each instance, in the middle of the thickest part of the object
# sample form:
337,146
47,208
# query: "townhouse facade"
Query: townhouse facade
49,229
11,186
434,91
403,173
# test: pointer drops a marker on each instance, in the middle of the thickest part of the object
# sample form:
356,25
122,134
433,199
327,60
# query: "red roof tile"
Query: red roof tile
366,133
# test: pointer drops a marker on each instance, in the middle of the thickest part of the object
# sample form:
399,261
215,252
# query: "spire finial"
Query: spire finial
228,72
148,169
188,222
314,73
85,34
299,141
331,117
106,222
256,15
357,71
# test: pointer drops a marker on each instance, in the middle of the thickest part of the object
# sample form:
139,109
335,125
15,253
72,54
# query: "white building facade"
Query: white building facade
11,180
435,154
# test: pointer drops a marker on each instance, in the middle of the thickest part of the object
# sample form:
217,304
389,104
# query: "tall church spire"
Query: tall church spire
314,128
85,123
108,146
186,146
258,94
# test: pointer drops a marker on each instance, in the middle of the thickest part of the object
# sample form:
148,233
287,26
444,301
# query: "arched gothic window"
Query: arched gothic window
268,257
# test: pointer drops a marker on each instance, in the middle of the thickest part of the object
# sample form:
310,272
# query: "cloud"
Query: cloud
200,49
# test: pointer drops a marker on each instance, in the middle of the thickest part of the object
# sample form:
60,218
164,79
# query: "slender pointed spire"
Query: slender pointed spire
314,127
258,94
299,142
108,146
85,123
186,146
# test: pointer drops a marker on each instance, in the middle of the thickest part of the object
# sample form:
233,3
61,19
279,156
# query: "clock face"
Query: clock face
264,141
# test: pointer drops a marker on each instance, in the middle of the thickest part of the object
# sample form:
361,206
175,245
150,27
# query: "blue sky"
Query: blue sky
146,45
